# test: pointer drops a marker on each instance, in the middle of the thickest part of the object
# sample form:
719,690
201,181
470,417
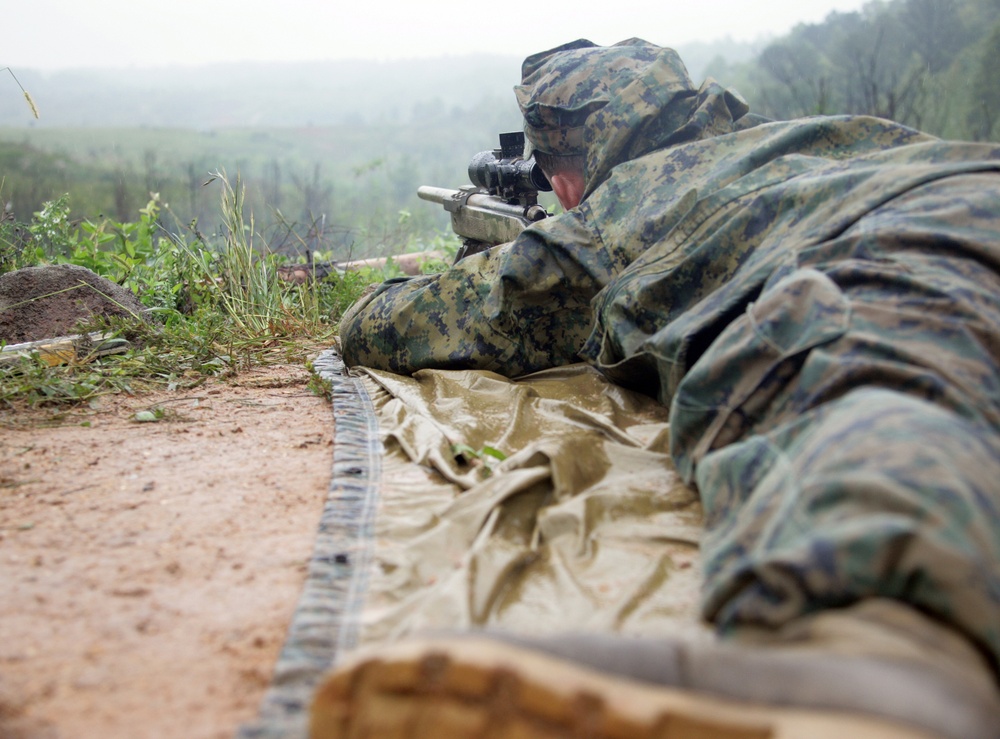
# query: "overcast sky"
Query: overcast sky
60,34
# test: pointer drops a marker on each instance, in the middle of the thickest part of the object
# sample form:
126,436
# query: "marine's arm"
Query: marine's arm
514,309
439,321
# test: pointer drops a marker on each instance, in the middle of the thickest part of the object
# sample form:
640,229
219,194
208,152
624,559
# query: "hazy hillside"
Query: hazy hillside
303,94
320,94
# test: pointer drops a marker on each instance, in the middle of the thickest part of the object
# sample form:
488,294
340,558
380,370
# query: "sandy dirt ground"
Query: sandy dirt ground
149,570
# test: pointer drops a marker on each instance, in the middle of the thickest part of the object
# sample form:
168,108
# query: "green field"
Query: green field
352,187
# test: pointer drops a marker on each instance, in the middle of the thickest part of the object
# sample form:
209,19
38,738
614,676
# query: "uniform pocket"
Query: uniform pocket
730,389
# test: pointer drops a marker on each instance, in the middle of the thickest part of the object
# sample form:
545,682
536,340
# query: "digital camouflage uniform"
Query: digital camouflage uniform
818,301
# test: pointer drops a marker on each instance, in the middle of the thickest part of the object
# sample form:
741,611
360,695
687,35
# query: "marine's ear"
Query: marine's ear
568,187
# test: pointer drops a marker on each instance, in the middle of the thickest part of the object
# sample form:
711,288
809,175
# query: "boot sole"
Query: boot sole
474,688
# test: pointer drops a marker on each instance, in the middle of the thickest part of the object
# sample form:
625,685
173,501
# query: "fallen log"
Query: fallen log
410,264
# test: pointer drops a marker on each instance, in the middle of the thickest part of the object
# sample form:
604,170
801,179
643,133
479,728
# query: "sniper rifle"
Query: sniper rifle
501,201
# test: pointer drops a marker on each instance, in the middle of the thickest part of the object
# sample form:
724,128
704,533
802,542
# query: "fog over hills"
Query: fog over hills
290,94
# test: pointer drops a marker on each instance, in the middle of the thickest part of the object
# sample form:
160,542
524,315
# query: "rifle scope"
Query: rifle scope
504,172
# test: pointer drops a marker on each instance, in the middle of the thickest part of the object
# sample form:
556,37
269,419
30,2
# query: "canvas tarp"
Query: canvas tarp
583,525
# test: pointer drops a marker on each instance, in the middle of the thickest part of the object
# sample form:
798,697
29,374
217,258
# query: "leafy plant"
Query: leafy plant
14,249
52,227
217,307
487,456
319,385
149,415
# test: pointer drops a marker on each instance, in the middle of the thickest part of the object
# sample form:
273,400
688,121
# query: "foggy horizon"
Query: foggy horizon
52,36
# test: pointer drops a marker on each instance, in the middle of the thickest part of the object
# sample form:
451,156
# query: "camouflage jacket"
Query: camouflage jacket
691,206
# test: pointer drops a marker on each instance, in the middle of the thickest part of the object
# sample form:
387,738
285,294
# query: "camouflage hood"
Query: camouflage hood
616,103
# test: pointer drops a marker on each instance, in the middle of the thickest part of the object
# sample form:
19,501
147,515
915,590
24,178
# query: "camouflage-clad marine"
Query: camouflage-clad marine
818,300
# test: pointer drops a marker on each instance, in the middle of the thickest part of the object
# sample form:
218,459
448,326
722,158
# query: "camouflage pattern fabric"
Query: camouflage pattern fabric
817,300
842,430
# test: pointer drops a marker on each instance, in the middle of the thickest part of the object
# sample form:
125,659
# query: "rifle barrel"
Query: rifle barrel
435,194
479,216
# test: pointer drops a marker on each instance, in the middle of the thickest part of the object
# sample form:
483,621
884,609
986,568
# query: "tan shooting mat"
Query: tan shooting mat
583,525
464,500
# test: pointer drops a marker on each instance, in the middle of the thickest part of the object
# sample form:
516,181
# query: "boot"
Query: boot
876,670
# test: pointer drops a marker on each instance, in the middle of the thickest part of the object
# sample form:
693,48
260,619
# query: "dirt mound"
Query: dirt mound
49,301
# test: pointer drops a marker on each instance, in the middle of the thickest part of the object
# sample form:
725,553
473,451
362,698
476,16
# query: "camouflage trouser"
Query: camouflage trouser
844,432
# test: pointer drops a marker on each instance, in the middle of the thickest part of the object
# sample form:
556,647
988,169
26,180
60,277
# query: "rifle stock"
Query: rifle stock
481,217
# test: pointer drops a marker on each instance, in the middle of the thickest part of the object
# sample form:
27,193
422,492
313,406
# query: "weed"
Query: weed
319,385
150,415
217,308
488,457
27,96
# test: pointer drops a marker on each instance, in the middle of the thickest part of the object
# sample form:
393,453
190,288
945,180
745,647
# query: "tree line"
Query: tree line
930,64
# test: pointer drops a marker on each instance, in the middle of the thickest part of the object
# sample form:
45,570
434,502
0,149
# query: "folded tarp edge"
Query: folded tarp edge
324,622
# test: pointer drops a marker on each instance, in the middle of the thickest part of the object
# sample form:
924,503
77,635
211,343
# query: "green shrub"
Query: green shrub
217,306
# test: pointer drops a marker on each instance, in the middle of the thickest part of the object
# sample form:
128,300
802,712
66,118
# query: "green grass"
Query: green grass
217,306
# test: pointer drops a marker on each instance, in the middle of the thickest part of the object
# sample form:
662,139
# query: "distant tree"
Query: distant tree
272,184
152,180
936,31
802,83
195,184
898,60
984,111
986,11
317,203
123,201
878,73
